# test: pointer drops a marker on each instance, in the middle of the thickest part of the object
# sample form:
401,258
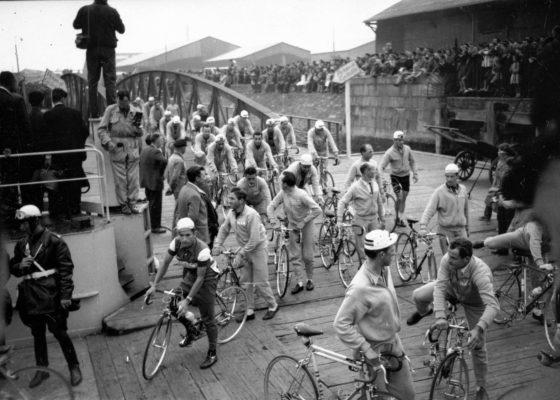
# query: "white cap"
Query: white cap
306,159
176,119
379,240
200,106
231,121
398,135
220,138
270,122
210,120
185,223
244,114
167,113
319,124
451,169
284,119
28,211
151,98
197,118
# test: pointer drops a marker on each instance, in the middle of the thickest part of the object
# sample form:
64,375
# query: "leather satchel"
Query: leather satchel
82,40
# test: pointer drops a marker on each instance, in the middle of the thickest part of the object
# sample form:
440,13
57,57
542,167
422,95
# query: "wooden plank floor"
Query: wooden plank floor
112,364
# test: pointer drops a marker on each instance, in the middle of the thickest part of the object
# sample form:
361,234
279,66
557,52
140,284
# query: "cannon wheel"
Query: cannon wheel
492,170
466,161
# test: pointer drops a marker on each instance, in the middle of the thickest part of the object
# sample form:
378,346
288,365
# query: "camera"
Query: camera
137,118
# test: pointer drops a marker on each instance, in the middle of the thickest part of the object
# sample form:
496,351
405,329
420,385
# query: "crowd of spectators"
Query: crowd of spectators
499,67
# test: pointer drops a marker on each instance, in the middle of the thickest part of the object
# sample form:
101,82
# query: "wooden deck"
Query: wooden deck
111,364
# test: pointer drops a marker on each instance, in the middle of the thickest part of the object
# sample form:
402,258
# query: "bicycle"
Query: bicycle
238,155
390,206
447,359
270,178
289,156
516,303
281,257
15,384
220,188
335,246
406,259
229,302
289,378
331,205
326,179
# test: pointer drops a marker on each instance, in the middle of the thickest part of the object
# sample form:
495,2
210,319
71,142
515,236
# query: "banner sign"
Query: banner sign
346,72
53,81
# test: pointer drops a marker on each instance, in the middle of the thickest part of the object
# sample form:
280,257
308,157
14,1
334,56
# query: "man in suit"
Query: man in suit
67,131
191,203
152,167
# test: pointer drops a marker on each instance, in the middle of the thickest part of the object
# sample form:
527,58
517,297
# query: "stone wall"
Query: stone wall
379,107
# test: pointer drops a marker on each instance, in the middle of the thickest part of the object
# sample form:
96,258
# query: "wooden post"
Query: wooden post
348,118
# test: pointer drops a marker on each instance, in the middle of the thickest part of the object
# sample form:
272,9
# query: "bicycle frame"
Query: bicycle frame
428,241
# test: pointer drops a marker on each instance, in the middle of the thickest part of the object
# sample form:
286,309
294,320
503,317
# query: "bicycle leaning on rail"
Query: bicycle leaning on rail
230,302
287,378
15,384
281,256
406,257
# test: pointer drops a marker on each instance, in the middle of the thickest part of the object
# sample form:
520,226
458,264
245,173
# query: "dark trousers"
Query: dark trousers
504,216
154,203
56,322
96,59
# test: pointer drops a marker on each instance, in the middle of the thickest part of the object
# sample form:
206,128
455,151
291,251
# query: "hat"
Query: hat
167,113
220,138
176,120
210,120
306,159
28,211
269,122
151,98
180,143
284,119
398,135
185,223
231,121
197,118
379,240
244,114
451,169
506,148
200,106
319,124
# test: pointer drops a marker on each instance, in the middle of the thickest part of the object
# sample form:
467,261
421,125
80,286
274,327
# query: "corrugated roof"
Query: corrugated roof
411,7
246,51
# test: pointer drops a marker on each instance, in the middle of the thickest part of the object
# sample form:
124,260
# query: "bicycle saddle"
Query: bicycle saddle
521,252
329,214
412,220
305,330
335,190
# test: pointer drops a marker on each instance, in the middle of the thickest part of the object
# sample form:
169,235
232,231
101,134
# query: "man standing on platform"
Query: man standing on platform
152,167
119,133
100,21
400,157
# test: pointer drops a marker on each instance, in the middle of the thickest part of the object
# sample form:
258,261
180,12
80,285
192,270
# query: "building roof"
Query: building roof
247,51
411,7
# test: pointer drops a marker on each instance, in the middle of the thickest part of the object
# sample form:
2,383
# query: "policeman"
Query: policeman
44,262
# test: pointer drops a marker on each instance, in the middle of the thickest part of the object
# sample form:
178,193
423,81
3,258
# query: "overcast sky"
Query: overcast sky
45,37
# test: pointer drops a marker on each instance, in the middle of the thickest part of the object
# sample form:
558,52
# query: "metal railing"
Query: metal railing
100,175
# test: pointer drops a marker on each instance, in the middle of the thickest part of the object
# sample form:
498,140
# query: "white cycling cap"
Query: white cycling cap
452,169
244,114
306,159
185,223
379,240
319,124
28,211
398,135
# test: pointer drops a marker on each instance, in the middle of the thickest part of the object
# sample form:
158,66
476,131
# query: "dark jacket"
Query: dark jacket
66,130
14,122
152,167
101,24
42,296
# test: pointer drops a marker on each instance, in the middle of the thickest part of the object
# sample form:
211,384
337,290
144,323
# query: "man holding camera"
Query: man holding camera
119,132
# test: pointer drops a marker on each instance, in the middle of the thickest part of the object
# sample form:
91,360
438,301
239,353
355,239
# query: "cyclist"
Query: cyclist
451,203
319,140
244,124
273,136
366,150
231,133
201,143
287,131
402,162
259,154
220,157
368,320
258,194
253,255
365,197
199,284
306,175
212,124
301,210
175,130
466,279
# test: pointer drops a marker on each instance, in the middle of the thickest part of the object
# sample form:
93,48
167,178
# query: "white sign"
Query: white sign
346,72
53,81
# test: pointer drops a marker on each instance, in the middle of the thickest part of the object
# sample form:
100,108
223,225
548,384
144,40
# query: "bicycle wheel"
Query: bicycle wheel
327,182
282,271
55,387
224,200
380,395
550,321
326,244
156,347
349,262
224,280
390,212
230,303
451,380
285,378
509,295
404,257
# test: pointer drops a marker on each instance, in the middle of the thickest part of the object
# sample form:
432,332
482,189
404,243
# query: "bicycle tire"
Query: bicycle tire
225,280
432,267
327,182
229,304
224,200
451,379
326,244
550,322
282,271
286,378
55,387
349,262
404,257
509,295
390,212
159,339
381,395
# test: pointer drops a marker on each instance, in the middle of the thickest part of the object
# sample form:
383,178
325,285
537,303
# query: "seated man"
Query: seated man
201,142
258,194
259,154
